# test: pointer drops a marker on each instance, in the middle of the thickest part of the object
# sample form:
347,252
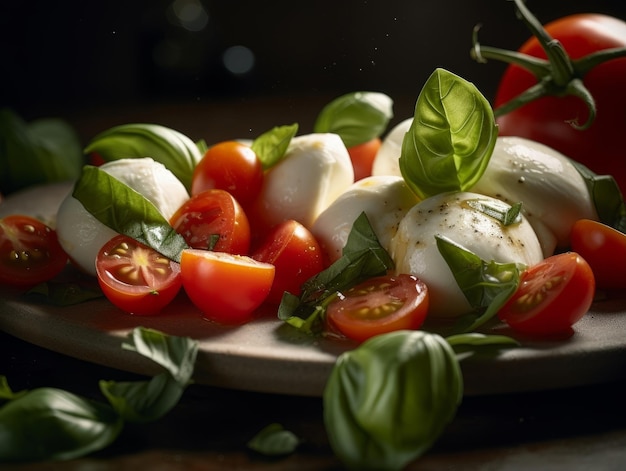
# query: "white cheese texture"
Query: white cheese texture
387,160
81,235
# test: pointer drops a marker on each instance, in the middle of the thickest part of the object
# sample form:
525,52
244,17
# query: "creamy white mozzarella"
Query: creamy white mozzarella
82,235
314,172
552,192
387,158
384,199
453,215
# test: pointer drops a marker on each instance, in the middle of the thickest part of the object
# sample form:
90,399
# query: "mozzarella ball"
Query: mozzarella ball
387,160
81,235
455,216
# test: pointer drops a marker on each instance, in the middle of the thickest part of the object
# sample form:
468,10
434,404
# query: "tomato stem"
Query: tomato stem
559,75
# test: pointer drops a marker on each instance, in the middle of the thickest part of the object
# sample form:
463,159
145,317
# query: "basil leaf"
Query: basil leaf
356,117
172,148
42,151
63,293
363,257
387,401
486,285
274,440
498,210
6,392
49,423
451,138
271,146
126,211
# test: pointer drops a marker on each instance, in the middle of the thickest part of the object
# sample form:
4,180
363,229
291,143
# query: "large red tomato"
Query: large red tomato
547,119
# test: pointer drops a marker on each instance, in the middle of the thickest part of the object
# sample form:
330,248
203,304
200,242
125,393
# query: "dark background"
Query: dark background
67,57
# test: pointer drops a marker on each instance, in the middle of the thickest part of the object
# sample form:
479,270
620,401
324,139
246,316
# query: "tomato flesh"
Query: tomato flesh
213,219
226,288
604,248
552,296
295,253
30,252
136,278
379,305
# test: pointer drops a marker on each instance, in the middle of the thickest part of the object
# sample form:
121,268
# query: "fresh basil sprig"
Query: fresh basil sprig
42,151
451,138
356,117
171,148
272,145
363,257
54,424
126,211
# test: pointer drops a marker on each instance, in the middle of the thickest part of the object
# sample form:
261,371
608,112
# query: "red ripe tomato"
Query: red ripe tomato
230,166
213,220
362,157
30,252
552,296
295,253
136,278
379,305
547,119
604,248
226,288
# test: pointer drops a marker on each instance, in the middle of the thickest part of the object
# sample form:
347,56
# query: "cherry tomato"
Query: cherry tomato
362,157
379,305
30,252
604,248
226,288
600,147
136,278
213,220
231,166
552,296
295,253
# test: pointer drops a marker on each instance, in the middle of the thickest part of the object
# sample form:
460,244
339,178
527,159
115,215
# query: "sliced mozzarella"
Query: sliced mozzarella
552,192
384,199
452,215
314,172
387,158
82,235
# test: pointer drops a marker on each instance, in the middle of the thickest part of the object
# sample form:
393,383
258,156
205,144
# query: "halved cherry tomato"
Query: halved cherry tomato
379,305
213,220
136,278
295,253
604,248
226,288
362,157
552,296
231,166
30,252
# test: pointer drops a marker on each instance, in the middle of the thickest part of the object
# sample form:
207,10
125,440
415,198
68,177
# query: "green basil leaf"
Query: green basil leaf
63,293
451,138
486,285
126,211
499,210
52,424
356,117
6,392
172,148
363,257
274,440
271,146
387,401
42,151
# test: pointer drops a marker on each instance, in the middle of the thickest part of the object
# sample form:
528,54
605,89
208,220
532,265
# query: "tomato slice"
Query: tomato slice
227,288
30,252
604,248
552,296
379,305
362,157
136,278
213,219
231,166
295,253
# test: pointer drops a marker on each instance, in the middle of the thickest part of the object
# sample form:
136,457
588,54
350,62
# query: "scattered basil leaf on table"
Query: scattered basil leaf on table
274,440
63,293
170,147
356,117
126,211
272,145
451,138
